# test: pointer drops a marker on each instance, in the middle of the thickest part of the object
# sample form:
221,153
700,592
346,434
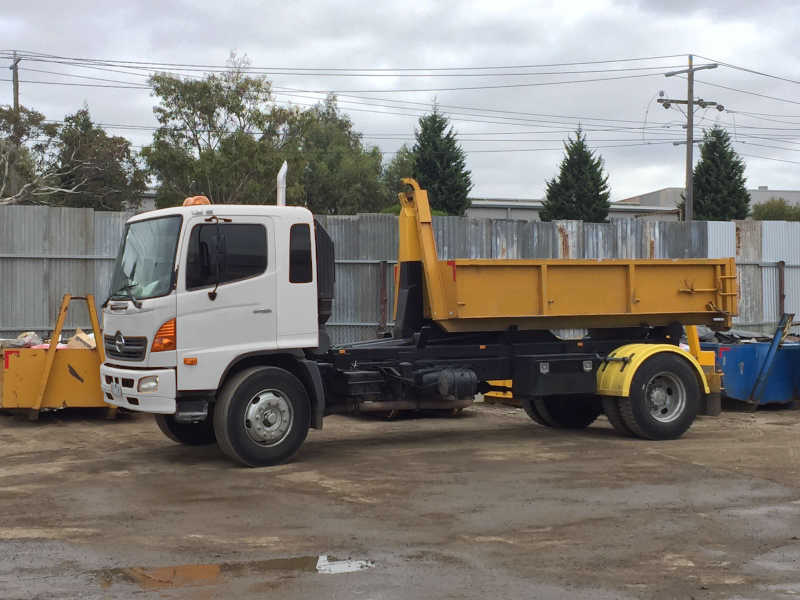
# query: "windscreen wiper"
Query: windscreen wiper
126,288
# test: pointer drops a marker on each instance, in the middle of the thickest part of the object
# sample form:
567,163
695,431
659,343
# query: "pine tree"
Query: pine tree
581,190
719,183
440,164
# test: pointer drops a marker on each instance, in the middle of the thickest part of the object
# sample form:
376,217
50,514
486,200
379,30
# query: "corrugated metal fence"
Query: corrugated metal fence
46,251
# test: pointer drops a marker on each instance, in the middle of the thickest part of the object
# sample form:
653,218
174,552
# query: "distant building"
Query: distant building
528,210
671,196
763,193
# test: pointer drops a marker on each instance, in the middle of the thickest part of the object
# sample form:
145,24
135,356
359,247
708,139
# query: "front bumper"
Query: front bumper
121,388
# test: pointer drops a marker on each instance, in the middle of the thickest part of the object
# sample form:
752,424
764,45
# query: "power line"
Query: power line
452,114
768,119
768,114
417,75
582,118
733,89
150,64
81,76
768,146
477,109
485,87
436,89
746,70
560,148
512,85
548,125
794,162
97,85
471,108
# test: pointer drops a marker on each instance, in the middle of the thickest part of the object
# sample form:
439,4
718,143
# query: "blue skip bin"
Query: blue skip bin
760,372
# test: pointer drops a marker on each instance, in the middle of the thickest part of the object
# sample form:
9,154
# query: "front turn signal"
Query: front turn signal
165,337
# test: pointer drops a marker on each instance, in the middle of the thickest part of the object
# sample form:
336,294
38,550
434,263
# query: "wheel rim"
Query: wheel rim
268,417
666,397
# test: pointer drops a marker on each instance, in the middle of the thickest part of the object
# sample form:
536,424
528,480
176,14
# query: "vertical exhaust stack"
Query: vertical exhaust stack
282,184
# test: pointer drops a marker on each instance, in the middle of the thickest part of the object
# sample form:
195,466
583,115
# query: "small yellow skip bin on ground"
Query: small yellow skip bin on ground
35,379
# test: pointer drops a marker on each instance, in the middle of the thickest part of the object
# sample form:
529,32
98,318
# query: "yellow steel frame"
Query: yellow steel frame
51,378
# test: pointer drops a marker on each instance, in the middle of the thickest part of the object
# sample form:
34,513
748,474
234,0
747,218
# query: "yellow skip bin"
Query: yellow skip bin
48,378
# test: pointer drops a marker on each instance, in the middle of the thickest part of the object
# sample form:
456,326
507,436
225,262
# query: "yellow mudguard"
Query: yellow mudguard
614,377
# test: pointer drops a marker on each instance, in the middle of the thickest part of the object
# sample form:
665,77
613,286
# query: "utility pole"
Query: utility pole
689,202
690,102
15,77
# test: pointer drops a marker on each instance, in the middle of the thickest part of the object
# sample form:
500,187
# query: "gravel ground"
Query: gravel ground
464,507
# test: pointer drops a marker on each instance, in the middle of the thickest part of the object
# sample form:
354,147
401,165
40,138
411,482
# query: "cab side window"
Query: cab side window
300,253
225,252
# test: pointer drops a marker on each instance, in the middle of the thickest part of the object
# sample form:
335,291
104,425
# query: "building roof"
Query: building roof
617,207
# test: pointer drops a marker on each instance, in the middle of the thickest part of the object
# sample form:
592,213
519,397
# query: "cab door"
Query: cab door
226,296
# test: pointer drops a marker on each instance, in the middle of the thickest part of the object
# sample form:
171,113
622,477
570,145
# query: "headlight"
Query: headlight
148,384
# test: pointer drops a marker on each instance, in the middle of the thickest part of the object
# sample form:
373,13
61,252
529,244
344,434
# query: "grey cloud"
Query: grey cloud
425,34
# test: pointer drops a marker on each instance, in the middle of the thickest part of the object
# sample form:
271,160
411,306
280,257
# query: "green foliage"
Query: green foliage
31,127
219,136
581,190
719,183
776,209
337,173
401,165
26,144
95,170
222,136
440,164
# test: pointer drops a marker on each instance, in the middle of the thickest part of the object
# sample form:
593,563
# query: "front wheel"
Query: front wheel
261,416
190,434
664,398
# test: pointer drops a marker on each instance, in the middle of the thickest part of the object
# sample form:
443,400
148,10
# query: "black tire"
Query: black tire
611,408
663,376
189,434
530,409
569,412
237,434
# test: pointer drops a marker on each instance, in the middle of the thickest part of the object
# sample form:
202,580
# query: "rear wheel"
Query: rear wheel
190,434
530,408
568,412
611,408
664,398
262,416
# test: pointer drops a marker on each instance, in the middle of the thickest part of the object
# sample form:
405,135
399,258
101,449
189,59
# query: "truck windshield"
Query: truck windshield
145,261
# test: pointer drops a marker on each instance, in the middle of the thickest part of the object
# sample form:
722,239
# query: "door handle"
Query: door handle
262,311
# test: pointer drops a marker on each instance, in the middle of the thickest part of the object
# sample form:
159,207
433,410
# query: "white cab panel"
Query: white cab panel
297,290
240,320
121,316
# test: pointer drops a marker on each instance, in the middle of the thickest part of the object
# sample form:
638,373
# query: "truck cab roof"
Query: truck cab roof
229,210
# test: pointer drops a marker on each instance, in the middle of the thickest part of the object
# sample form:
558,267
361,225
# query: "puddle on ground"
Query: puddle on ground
205,574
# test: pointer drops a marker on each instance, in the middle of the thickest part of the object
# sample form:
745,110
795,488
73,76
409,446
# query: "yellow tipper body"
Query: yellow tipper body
495,294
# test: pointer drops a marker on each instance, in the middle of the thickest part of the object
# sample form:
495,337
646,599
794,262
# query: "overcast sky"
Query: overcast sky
523,125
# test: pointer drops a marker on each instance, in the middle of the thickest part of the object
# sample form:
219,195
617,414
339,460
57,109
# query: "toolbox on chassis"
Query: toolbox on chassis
217,320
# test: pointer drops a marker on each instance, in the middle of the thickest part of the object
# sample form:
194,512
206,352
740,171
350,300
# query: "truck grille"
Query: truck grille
128,348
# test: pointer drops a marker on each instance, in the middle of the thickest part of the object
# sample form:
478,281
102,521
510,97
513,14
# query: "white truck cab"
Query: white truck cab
196,293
